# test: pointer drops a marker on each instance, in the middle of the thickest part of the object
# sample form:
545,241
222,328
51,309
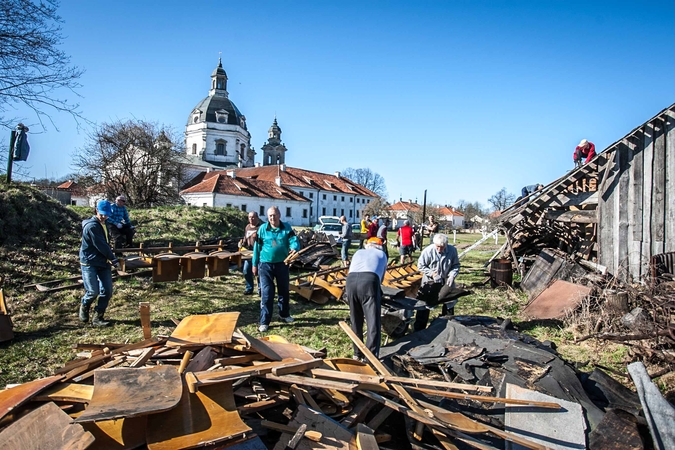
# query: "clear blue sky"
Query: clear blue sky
460,98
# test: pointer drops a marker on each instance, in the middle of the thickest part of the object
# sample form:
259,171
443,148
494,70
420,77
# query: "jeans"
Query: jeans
269,273
345,249
248,275
122,237
97,283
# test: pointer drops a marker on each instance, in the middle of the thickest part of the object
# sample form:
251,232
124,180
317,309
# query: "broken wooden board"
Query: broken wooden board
197,379
562,429
557,300
127,393
66,392
18,395
118,434
46,427
206,417
204,329
545,267
333,434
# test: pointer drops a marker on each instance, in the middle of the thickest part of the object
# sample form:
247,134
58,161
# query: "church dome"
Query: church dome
216,109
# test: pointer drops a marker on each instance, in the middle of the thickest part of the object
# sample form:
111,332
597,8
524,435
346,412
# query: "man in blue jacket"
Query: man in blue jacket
95,260
276,241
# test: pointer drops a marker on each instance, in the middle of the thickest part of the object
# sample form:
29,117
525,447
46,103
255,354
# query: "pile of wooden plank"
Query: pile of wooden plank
209,384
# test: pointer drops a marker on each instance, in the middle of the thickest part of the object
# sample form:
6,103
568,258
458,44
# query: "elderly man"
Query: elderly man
276,241
406,240
439,265
95,260
364,294
585,149
250,236
121,230
346,235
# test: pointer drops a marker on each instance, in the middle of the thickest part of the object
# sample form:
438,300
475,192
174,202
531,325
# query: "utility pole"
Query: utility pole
424,214
10,159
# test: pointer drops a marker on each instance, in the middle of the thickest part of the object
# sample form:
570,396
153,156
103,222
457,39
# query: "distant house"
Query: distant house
224,189
400,211
450,217
78,196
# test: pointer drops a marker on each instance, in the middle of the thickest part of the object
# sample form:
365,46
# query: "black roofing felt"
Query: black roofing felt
214,103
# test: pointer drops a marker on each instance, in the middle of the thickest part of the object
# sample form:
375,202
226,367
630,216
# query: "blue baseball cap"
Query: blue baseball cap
103,207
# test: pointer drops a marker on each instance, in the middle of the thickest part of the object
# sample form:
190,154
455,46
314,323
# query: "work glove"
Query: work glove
115,262
119,225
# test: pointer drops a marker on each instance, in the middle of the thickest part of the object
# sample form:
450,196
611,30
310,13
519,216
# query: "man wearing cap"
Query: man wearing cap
364,293
585,149
121,230
95,260
439,265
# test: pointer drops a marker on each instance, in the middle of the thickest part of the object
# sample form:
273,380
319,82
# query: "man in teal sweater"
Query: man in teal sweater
276,241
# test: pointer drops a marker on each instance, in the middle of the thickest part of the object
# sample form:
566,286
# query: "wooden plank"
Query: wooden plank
312,382
238,360
66,392
295,440
260,346
335,436
648,151
670,182
262,405
621,246
658,189
300,366
115,362
118,434
144,308
607,199
487,399
143,358
436,383
16,396
635,209
89,361
203,360
206,417
361,408
365,438
47,427
346,376
379,418
128,392
225,375
309,434
205,329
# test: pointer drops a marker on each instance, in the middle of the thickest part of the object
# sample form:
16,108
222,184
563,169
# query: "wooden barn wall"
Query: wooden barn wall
637,201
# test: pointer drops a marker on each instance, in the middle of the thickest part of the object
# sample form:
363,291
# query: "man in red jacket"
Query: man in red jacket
586,150
406,240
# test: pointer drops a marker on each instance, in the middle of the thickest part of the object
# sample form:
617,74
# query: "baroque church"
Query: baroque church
221,167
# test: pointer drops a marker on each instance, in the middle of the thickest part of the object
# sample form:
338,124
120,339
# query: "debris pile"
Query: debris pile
318,249
209,383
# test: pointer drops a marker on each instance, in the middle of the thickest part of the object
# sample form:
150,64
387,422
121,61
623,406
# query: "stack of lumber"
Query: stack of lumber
209,384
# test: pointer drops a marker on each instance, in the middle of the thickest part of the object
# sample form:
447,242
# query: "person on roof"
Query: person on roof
585,149
528,190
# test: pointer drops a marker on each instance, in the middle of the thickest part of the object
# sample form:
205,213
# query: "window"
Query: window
228,205
311,210
324,196
335,198
311,195
288,212
220,148
334,212
368,201
342,212
204,205
243,208
358,200
304,213
73,203
357,213
323,211
302,193
343,198
351,199
262,211
194,149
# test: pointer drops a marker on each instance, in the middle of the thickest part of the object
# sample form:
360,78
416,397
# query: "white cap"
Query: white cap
582,143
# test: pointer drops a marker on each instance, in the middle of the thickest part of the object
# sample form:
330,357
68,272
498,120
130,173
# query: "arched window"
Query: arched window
194,149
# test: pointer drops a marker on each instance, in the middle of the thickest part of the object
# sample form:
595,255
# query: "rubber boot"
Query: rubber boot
84,312
98,321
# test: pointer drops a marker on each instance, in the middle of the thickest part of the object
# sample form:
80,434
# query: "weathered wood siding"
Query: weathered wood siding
636,201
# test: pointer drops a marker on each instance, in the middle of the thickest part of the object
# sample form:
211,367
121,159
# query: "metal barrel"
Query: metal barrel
501,273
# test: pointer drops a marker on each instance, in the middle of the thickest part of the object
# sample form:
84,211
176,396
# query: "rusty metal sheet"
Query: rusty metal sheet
208,416
120,434
556,300
18,395
46,427
206,329
124,393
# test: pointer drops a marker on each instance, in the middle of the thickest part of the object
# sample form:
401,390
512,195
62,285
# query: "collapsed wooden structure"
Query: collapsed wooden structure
617,211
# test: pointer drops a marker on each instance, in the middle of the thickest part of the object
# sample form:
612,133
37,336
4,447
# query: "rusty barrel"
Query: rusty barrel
501,273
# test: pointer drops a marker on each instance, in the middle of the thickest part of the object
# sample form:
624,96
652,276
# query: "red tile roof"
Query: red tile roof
445,211
301,178
219,182
405,206
72,187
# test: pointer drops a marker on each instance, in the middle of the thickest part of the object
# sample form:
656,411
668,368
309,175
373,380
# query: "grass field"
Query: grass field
46,325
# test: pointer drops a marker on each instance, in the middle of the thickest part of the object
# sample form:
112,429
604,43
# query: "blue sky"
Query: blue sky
459,98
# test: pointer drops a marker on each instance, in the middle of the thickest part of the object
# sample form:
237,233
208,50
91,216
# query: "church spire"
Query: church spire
219,81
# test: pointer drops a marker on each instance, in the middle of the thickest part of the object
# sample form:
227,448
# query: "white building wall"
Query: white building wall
329,203
205,135
259,205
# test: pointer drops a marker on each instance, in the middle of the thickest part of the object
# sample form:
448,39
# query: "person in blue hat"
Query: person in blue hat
96,259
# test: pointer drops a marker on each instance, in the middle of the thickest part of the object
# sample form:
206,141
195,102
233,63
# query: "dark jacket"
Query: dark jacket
95,249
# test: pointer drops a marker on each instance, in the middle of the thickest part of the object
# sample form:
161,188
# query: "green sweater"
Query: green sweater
274,244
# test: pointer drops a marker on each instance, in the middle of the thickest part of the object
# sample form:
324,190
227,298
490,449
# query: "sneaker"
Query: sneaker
263,328
248,292
288,319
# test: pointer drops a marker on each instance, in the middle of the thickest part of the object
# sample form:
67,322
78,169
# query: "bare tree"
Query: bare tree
139,159
471,209
377,207
501,200
368,179
33,70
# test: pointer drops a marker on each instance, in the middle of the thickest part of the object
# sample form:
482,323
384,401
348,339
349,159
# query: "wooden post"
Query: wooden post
10,158
145,319
424,215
